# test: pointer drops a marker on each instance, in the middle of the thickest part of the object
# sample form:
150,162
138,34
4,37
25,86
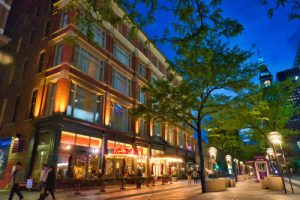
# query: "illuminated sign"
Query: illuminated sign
118,150
4,152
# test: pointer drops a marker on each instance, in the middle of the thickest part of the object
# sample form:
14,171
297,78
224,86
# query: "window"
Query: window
142,70
63,20
121,83
122,55
2,111
180,139
142,127
24,69
170,136
19,43
99,36
153,79
38,11
145,51
88,63
57,55
49,107
31,37
157,129
153,60
84,105
15,109
41,61
47,28
142,96
32,104
119,117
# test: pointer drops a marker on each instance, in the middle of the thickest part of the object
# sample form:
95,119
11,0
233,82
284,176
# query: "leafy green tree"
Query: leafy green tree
274,5
207,67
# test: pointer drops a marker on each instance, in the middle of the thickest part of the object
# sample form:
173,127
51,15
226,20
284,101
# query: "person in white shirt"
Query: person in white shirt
43,178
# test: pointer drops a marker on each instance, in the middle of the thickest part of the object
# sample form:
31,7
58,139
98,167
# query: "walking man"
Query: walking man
43,178
50,183
16,179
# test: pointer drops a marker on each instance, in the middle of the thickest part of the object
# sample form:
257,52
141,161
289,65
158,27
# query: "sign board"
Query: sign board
4,153
29,183
123,151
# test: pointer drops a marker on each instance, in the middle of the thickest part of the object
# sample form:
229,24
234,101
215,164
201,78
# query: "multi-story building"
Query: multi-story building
297,57
4,11
66,101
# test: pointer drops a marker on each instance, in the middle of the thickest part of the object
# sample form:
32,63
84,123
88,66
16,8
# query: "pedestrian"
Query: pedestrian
16,179
50,183
195,176
43,178
189,176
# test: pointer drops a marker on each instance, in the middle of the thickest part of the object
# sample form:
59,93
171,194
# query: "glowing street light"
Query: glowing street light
212,153
275,138
270,152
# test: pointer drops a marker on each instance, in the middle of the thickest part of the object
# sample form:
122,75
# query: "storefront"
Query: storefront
79,156
124,160
160,164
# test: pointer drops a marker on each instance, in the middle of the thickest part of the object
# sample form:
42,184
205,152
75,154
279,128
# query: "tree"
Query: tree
266,109
274,5
206,67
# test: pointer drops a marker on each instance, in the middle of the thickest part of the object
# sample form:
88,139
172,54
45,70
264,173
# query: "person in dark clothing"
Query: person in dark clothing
16,179
50,183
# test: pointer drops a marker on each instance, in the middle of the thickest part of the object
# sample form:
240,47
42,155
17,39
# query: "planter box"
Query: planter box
264,183
275,183
215,185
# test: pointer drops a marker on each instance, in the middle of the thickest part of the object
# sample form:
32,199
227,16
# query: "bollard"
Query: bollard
122,184
162,180
77,189
153,182
171,182
103,186
291,184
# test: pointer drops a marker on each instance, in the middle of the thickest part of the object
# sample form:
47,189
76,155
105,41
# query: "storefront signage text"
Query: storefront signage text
125,151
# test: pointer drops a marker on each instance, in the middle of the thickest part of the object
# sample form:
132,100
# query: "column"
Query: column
62,95
107,109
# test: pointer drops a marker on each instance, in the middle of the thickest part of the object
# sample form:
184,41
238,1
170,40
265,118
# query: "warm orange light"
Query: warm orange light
62,95
40,101
107,111
151,127
137,126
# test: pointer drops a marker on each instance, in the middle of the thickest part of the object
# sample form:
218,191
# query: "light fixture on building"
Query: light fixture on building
270,151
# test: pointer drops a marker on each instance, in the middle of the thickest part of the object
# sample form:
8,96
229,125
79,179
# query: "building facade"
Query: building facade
66,100
5,6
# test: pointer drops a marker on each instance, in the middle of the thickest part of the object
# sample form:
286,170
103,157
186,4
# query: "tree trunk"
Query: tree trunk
223,162
201,155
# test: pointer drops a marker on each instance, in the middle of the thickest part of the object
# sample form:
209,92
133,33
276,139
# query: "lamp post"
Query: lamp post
270,153
275,138
228,159
212,151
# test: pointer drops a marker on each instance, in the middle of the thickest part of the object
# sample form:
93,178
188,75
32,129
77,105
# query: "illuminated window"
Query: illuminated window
121,83
122,55
119,117
84,104
267,83
57,55
82,140
67,138
157,128
63,19
88,64
32,103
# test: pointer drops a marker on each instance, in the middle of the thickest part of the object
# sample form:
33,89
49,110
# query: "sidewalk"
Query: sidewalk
112,192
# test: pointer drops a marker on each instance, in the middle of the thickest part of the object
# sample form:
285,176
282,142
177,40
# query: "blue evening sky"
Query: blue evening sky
276,38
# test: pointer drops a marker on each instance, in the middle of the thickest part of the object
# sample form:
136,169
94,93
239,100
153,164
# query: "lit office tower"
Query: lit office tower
297,57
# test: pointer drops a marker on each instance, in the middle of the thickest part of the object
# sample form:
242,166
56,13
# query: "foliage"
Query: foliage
294,6
207,67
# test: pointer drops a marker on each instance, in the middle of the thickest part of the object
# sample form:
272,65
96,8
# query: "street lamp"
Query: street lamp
212,151
275,138
228,159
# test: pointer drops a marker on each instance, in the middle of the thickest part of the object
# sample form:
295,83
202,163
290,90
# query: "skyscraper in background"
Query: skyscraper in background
297,57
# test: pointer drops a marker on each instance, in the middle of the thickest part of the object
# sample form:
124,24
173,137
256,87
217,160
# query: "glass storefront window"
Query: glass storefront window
79,156
180,139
